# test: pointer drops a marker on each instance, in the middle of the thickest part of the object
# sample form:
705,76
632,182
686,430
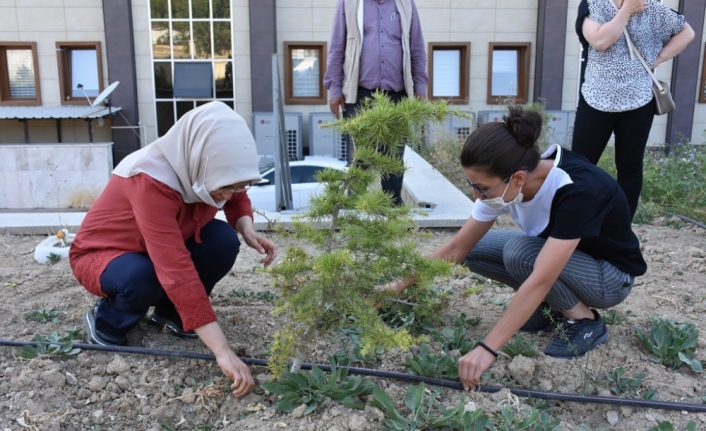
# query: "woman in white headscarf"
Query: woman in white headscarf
151,238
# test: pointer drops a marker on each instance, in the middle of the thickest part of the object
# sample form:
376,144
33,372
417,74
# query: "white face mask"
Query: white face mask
499,203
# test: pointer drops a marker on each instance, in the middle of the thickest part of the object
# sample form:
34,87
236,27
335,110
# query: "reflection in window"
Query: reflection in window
199,9
180,9
221,9
19,79
505,73
163,80
304,69
160,40
222,45
181,39
508,72
202,39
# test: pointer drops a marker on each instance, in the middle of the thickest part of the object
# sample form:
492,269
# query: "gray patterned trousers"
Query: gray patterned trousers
509,256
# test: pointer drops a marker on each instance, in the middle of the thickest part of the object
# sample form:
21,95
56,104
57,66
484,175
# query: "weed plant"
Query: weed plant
421,412
441,365
614,317
315,389
418,310
262,296
673,343
509,419
621,384
42,315
519,346
453,338
667,426
53,345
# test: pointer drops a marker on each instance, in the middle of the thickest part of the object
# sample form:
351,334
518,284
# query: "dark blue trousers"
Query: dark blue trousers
391,183
131,283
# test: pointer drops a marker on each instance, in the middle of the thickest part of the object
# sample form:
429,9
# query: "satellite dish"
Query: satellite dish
105,94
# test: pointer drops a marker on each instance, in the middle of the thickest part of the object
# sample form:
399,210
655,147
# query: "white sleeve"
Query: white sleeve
483,212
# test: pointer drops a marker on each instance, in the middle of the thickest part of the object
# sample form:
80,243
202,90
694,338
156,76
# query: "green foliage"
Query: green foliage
622,384
368,242
453,338
262,296
464,321
353,345
49,345
673,183
667,426
509,419
614,317
672,342
439,365
422,413
42,315
53,258
418,308
315,389
519,346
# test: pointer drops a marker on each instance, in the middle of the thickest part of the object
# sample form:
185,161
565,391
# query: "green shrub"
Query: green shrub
673,343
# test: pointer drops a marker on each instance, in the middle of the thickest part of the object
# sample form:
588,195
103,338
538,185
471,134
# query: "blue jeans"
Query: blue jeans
131,283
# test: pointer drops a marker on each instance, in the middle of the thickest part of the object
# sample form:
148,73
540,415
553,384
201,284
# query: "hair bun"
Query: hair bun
525,126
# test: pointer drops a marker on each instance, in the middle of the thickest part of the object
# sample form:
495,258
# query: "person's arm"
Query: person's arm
455,250
333,79
548,266
213,337
244,225
418,56
603,36
675,45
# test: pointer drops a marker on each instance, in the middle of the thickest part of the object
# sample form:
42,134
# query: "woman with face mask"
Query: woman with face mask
575,251
151,238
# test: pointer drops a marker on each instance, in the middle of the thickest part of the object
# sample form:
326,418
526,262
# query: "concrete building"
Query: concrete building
172,55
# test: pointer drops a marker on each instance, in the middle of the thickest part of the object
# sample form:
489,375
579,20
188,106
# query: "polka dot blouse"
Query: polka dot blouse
613,81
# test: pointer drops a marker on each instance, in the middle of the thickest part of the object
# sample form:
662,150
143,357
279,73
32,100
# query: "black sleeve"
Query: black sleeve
582,14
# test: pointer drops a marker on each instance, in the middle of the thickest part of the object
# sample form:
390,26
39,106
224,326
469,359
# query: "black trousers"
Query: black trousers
131,283
592,130
393,183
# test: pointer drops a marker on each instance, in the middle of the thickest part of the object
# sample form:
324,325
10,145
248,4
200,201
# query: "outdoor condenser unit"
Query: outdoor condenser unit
264,134
454,126
325,141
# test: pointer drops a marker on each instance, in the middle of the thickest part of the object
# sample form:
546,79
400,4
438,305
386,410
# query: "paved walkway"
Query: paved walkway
443,205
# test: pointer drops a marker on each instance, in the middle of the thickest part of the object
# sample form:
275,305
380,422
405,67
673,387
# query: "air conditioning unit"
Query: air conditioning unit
454,126
264,134
484,117
561,127
325,141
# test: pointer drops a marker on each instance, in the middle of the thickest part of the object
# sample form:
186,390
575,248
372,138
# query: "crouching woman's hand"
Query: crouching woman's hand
233,368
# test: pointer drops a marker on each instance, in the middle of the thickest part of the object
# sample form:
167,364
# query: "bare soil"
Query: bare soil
111,391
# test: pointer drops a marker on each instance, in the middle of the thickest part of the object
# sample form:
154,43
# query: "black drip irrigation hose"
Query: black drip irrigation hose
689,220
453,384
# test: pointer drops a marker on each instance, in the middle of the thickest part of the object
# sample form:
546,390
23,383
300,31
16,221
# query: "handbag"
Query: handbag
664,103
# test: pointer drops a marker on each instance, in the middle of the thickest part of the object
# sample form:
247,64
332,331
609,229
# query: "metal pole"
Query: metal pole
283,179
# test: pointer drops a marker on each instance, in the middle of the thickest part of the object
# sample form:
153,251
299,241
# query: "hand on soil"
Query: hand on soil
472,365
237,371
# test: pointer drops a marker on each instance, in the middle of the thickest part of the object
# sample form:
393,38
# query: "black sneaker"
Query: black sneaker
171,327
576,337
543,319
93,336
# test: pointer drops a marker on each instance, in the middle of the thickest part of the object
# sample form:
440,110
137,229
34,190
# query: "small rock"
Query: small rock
188,396
357,423
298,413
97,383
161,412
650,418
53,378
522,369
117,366
612,417
122,382
71,379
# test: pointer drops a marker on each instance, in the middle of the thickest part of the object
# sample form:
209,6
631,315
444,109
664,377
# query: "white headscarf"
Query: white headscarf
208,148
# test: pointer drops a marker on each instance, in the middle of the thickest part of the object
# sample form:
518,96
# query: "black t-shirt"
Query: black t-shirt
593,207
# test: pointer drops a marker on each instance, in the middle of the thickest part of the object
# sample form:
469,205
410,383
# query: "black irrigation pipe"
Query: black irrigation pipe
689,220
555,396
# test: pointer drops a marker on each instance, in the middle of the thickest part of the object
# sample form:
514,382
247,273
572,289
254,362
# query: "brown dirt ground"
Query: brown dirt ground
109,391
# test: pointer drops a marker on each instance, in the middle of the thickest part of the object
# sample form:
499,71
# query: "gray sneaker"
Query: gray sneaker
576,337
93,336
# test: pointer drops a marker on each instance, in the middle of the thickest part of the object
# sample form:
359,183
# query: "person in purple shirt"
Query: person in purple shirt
376,45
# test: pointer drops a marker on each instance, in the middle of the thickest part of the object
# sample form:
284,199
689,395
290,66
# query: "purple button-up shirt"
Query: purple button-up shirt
381,54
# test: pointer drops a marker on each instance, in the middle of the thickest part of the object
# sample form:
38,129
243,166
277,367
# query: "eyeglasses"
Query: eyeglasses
232,191
484,194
